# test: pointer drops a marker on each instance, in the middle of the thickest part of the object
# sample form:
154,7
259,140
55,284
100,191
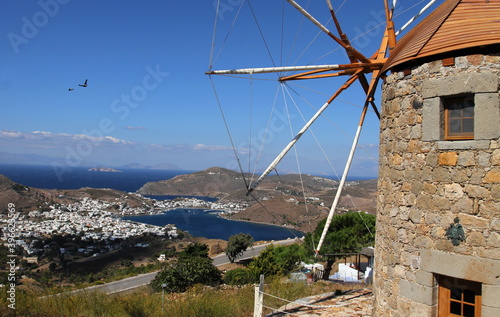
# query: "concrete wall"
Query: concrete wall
425,182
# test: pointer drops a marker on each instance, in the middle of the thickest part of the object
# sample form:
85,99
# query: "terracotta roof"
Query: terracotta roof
454,25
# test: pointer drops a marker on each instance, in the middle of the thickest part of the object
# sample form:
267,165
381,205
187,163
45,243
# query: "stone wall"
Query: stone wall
425,183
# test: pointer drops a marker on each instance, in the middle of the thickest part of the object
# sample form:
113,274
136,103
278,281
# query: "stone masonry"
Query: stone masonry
426,182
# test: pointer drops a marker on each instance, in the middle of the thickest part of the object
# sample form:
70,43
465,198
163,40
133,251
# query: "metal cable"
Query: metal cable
228,131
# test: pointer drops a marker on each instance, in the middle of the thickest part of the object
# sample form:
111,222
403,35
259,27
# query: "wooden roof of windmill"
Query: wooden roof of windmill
453,26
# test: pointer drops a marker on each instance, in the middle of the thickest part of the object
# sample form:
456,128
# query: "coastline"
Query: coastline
211,224
263,223
219,213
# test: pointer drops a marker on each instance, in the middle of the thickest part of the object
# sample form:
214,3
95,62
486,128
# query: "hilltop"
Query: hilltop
280,198
23,197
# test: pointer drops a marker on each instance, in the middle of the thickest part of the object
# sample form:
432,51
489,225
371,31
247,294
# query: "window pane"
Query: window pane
468,125
468,311
455,126
459,116
455,113
456,293
469,296
456,308
458,297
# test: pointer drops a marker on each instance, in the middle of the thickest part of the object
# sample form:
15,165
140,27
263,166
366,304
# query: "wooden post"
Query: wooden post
259,298
163,298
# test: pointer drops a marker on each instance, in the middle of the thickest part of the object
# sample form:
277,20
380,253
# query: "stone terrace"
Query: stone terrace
355,303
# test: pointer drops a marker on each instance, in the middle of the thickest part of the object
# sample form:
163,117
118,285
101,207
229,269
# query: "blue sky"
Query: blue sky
148,100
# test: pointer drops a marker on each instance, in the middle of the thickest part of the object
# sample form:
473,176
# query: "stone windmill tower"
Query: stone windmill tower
438,225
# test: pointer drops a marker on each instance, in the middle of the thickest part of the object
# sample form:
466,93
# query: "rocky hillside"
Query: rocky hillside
213,182
23,197
28,198
277,200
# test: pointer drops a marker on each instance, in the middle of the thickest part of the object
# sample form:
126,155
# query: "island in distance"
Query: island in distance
281,199
103,169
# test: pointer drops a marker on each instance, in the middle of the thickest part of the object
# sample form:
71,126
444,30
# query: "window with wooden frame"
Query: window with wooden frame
458,117
458,297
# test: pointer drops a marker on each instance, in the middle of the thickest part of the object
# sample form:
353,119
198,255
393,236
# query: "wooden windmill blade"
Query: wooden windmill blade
357,70
355,53
387,40
280,156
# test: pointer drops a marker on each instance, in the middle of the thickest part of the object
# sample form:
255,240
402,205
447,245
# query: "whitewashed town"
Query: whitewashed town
92,221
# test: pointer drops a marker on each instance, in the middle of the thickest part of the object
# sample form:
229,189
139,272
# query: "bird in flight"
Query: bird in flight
84,84
70,89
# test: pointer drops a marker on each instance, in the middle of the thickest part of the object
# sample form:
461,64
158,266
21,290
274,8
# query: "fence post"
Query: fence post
259,298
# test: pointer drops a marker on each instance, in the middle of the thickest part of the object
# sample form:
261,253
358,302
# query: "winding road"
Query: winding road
144,279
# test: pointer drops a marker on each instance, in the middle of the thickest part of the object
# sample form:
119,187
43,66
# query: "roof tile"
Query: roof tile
454,25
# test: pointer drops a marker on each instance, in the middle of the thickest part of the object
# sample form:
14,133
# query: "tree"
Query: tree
347,233
195,249
185,272
277,260
237,244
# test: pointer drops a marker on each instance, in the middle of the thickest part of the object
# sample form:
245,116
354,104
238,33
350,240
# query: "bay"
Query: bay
202,223
171,197
197,222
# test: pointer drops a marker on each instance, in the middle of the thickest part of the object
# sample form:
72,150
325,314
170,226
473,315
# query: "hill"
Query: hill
23,197
277,200
27,198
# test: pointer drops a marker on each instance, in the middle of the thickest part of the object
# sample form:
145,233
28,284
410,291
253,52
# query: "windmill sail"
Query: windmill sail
357,70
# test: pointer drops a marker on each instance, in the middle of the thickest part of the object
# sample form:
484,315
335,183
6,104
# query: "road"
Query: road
144,279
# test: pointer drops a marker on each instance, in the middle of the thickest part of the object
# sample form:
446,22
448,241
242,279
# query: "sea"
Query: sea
208,224
42,176
198,223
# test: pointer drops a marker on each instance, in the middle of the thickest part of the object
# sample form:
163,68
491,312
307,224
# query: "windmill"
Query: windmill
357,70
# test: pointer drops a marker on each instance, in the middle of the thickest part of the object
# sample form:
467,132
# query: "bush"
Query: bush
277,260
238,276
195,249
179,275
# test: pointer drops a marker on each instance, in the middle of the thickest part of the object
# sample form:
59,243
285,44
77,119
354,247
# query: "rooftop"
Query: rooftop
454,25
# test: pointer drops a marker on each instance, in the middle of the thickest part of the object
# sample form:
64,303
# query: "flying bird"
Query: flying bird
84,84
70,89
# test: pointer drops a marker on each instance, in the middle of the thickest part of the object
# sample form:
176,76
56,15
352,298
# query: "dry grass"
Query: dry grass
199,301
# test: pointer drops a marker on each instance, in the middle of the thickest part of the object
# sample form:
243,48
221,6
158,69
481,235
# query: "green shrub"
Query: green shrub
179,275
277,260
238,276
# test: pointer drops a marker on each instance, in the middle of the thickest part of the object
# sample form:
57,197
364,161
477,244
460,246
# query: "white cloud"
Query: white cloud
11,134
79,149
57,139
204,147
106,149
